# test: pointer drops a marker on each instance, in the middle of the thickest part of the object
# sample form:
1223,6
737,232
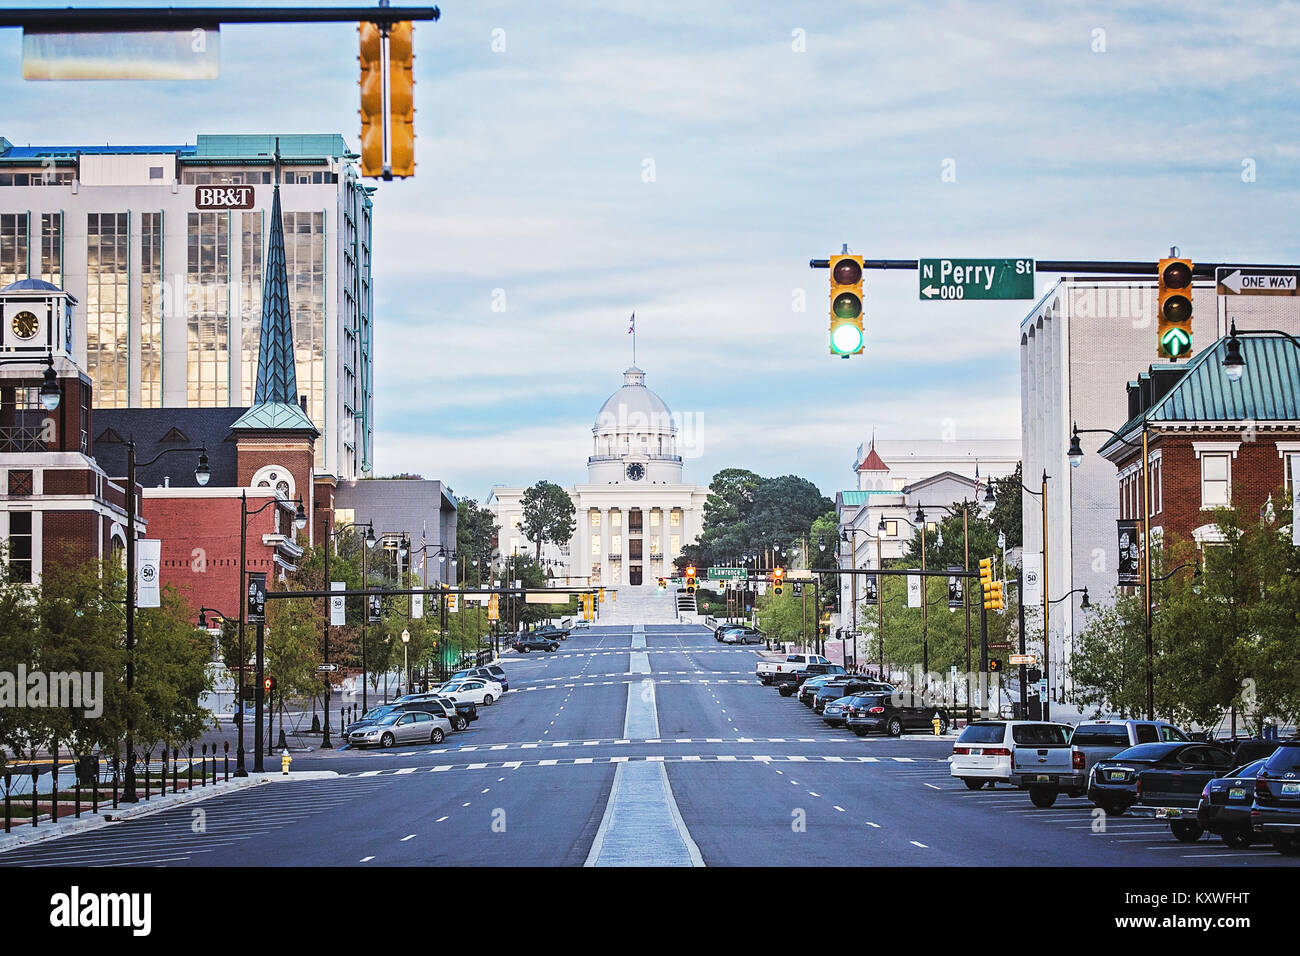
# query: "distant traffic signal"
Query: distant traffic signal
993,597
268,685
1174,307
690,579
986,575
372,100
401,100
846,334
778,579
995,665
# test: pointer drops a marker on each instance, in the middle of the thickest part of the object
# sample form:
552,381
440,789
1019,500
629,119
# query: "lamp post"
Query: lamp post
240,770
330,534
849,536
1233,362
406,663
259,692
202,474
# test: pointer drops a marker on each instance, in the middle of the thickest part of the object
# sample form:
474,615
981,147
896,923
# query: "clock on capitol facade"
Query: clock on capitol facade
635,471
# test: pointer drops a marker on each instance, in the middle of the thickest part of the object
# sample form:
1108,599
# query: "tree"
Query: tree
1108,666
547,516
784,509
1006,516
726,512
476,529
172,673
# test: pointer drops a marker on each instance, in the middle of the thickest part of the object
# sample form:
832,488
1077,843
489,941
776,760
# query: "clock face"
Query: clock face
636,471
25,324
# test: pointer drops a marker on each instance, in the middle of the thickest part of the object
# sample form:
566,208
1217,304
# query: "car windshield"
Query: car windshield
376,712
451,688
1147,753
1250,770
1100,735
841,702
390,719
982,734
1285,759
864,700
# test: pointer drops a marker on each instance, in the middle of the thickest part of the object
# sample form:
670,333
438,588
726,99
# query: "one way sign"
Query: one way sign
1257,281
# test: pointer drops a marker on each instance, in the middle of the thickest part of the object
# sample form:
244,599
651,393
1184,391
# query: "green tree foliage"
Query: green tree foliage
726,513
1107,669
476,529
1006,514
547,515
171,667
745,512
784,510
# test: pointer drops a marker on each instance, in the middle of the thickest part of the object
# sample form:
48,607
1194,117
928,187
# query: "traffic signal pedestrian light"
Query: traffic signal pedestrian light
846,305
690,579
1174,308
995,665
778,579
372,100
268,685
401,99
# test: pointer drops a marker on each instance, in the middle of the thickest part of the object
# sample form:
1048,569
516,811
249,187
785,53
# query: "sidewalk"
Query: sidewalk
24,834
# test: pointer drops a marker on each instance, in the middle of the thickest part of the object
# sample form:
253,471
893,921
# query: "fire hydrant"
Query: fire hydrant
936,723
285,760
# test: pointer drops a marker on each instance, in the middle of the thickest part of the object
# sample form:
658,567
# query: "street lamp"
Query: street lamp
406,664
201,475
240,770
1233,361
330,535
50,393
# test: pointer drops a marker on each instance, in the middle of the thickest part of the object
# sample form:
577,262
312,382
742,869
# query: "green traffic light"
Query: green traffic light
846,339
1176,342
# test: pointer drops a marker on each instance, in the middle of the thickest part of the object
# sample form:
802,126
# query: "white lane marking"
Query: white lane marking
405,838
921,845
366,859
874,825
839,808
440,819
932,786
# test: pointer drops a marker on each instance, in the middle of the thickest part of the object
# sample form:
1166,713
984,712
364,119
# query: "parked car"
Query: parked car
1226,803
837,711
1113,783
551,631
402,728
983,752
472,688
765,671
805,685
528,642
845,686
743,635
439,706
1276,813
1044,763
877,710
1103,739
580,624
724,627
487,672
1170,788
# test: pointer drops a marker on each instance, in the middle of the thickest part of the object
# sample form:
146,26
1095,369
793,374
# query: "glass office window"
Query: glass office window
13,247
304,260
151,309
52,247
108,307
207,279
250,298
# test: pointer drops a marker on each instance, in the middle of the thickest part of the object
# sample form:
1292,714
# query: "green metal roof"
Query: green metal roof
1269,390
275,416
306,146
863,497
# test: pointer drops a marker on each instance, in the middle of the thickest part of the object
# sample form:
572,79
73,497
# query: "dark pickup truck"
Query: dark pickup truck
787,682
1170,789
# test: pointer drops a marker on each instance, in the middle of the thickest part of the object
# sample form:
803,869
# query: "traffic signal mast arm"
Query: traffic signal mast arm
1086,266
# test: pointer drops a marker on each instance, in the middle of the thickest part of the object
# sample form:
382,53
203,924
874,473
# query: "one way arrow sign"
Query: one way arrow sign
1257,281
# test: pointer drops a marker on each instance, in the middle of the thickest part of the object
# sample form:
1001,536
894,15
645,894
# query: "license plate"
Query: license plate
1170,813
1237,793
1044,778
1116,775
1290,789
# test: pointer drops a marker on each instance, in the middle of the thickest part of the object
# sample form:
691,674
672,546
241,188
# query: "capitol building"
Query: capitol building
634,513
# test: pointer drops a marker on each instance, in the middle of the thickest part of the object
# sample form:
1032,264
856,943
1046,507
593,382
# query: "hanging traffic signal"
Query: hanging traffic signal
1174,308
401,100
986,574
846,305
372,100
993,597
690,579
778,579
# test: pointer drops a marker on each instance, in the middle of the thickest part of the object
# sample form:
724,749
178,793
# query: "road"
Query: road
623,748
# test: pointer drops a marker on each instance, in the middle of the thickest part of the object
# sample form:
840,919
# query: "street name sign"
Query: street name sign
728,574
1022,659
1256,281
950,279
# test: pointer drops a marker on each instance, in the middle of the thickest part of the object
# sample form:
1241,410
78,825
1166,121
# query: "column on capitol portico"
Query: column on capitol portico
605,563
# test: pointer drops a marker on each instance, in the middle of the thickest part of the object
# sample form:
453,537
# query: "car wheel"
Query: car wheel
860,731
1187,831
1287,846
785,691
895,727
1238,839
1076,793
1042,797
386,740
523,650
461,723
436,736
972,783
487,700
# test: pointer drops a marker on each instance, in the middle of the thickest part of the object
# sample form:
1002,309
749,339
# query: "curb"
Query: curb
52,831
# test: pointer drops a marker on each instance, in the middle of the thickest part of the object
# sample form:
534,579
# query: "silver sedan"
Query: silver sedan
412,727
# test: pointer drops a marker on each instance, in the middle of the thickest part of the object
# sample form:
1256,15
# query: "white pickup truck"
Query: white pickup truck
766,670
1044,763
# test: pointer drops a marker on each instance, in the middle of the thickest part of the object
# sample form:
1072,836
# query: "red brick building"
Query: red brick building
1211,441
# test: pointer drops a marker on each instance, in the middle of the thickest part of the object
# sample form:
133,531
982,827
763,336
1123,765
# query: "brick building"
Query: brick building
1211,441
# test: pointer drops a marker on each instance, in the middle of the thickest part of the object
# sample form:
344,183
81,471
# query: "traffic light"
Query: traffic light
372,100
778,579
401,99
995,665
846,305
993,597
268,685
690,579
1174,308
986,578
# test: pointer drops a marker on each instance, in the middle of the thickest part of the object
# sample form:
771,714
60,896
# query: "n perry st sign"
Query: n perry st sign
950,279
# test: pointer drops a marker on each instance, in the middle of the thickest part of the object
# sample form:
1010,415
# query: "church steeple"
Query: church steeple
275,400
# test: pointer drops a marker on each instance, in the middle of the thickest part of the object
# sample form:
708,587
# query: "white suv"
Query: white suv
983,751
472,688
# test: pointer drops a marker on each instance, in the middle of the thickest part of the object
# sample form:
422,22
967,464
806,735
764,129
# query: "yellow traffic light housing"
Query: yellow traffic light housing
690,579
401,100
993,597
1174,308
778,579
372,99
986,574
846,335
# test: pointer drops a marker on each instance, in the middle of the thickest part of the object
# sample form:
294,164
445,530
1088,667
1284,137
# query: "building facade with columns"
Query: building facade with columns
635,513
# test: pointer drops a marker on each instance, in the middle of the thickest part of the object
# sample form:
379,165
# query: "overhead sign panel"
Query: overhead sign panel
728,574
1257,281
123,55
951,279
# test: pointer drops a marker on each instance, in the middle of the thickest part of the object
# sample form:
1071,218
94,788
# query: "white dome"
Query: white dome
634,408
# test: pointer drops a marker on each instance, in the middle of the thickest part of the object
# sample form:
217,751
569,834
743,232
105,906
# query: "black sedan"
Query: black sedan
1226,802
532,642
1113,783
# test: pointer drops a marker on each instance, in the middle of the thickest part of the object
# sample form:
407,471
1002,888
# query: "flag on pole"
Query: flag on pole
631,328
424,529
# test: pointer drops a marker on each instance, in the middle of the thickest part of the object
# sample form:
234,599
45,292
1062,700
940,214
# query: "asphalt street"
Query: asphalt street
556,773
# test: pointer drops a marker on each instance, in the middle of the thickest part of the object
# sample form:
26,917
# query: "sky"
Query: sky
581,160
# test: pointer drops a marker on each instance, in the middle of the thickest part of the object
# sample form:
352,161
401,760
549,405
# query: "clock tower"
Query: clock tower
634,439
